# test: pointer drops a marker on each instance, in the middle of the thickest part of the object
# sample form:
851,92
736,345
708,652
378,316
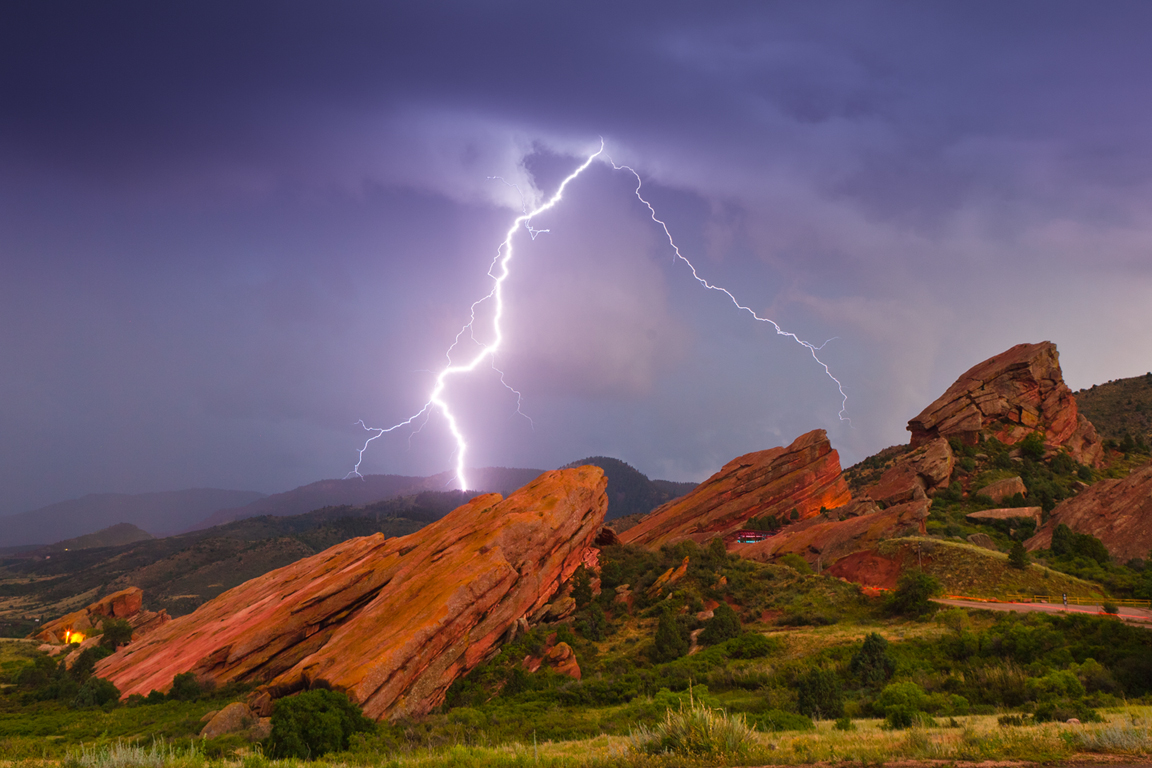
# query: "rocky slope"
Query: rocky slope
1009,396
1118,512
391,622
803,476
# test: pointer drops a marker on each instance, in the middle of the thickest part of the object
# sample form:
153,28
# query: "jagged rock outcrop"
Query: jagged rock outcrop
126,604
1118,512
804,476
1004,489
822,542
984,541
390,622
1010,396
915,475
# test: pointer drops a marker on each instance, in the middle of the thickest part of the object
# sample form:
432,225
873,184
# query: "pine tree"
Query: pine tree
1018,556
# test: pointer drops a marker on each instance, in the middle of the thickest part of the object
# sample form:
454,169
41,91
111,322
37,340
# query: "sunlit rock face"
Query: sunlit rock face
1009,397
1118,512
390,622
804,476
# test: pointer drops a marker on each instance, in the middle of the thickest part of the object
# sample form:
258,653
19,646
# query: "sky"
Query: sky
231,230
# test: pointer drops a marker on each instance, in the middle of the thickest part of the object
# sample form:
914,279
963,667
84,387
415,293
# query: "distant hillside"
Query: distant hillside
114,536
1120,407
630,492
181,572
160,514
357,491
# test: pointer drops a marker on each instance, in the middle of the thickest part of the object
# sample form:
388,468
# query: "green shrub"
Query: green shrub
796,563
871,664
672,639
913,594
695,732
819,694
582,588
899,717
751,645
1110,608
117,632
314,723
96,692
904,694
1018,556
845,724
1062,710
185,687
775,720
724,625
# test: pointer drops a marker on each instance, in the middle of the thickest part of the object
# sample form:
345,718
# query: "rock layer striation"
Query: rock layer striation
803,476
1118,512
1010,396
390,622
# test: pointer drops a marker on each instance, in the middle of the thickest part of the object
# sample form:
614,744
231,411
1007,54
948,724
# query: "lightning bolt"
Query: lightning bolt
498,270
487,351
696,275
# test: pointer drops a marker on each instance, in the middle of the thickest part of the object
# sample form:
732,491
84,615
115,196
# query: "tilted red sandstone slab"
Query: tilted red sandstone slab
390,622
822,543
1118,512
1010,396
803,476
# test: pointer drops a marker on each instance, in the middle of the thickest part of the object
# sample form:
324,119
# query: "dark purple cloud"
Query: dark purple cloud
228,231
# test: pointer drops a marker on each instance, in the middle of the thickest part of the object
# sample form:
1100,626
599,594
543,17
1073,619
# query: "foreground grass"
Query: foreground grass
1126,732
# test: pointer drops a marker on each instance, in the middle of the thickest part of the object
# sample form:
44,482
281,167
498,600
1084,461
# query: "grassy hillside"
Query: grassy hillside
1120,407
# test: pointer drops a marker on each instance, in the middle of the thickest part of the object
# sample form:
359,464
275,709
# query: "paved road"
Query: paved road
1131,615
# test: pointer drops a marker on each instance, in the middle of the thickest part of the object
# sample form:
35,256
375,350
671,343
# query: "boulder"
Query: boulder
823,543
234,717
1118,512
1004,489
390,622
915,475
803,476
1010,396
558,657
1010,513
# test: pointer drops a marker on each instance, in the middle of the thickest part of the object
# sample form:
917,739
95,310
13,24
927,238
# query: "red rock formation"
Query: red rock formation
915,475
390,622
1118,512
804,477
1004,489
822,542
557,656
126,604
1010,396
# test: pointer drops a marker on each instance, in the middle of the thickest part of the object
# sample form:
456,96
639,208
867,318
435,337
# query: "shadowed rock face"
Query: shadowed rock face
1010,396
804,476
1118,512
915,475
390,622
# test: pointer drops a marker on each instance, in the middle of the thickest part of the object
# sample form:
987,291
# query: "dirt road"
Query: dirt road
1130,615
